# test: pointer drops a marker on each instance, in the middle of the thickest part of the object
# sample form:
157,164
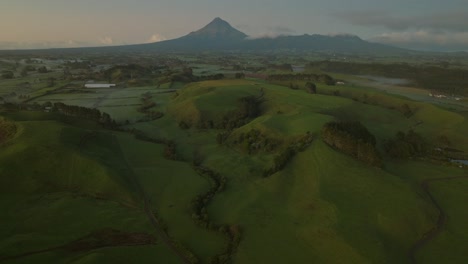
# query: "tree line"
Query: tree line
86,113
308,77
248,108
352,138
405,145
201,218
281,160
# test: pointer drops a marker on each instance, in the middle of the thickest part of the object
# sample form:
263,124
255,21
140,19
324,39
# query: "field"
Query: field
190,186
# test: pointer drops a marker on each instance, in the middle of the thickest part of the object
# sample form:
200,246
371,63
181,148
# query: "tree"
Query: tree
24,72
8,75
406,110
42,69
311,87
326,79
239,75
51,82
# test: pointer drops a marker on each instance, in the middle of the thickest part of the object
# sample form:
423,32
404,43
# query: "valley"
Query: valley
231,157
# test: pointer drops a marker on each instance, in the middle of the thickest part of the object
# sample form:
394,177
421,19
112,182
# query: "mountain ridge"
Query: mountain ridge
220,36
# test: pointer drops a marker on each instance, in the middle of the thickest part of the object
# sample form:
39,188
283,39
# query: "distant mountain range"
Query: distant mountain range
220,36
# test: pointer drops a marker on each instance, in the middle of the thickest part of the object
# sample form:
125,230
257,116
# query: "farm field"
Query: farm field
182,169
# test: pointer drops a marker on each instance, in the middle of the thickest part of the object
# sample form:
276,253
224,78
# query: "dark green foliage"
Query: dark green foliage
311,87
186,76
239,75
406,110
406,145
354,139
42,69
145,107
170,151
126,72
254,141
7,130
8,75
280,161
86,113
293,86
51,82
248,108
309,77
201,218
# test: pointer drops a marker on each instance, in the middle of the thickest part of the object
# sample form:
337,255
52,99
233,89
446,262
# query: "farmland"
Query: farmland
187,161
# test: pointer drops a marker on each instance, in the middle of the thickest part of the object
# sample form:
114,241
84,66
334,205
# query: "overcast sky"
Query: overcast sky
417,24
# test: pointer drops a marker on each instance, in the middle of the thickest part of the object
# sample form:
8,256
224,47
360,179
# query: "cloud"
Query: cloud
446,30
445,21
273,32
156,38
426,39
281,30
106,41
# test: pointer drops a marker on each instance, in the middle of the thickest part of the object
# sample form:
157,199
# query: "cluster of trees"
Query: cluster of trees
42,69
123,73
84,112
25,71
7,130
248,108
281,160
145,107
239,75
253,141
308,77
406,110
310,87
354,139
170,150
445,80
186,76
8,75
201,218
406,145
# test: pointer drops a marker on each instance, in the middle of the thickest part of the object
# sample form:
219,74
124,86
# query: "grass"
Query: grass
53,192
449,245
171,186
324,207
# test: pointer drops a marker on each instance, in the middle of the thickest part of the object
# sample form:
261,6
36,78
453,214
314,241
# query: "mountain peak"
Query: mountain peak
219,29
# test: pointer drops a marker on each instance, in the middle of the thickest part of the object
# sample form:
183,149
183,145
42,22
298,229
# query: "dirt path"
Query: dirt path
441,220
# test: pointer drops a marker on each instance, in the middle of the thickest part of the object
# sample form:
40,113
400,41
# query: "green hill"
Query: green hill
191,186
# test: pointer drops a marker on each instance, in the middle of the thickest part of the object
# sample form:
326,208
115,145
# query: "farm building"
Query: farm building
99,85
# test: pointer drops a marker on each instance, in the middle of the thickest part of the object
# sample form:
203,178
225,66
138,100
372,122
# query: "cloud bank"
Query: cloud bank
435,31
156,38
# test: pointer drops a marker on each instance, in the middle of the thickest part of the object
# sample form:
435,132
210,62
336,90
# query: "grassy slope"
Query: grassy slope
450,245
171,186
354,208
49,190
450,194
323,207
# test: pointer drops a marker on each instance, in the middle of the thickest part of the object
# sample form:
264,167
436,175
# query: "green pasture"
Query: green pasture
323,207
